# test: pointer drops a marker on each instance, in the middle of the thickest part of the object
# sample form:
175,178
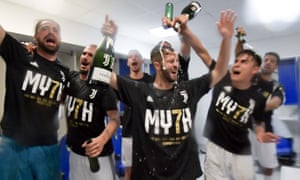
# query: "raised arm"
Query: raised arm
226,29
185,47
188,36
189,39
239,46
2,34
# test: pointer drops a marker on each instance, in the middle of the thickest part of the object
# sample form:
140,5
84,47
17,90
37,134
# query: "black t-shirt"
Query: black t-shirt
231,114
86,107
128,115
33,93
269,89
163,144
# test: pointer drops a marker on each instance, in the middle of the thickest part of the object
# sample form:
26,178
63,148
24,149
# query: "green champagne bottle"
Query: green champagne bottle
94,163
169,12
103,63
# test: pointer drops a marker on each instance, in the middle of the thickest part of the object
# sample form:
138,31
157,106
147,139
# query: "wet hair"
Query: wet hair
38,24
276,55
256,57
159,48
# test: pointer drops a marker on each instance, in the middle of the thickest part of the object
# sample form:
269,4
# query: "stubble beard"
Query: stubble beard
48,50
167,76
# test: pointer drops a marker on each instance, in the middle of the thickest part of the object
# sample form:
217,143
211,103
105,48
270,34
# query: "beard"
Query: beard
166,76
51,51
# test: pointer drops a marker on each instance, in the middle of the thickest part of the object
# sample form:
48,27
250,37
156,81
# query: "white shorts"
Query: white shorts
264,153
80,168
127,151
223,165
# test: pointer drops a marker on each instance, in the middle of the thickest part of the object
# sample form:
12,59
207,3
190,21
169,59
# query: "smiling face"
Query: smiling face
170,66
47,35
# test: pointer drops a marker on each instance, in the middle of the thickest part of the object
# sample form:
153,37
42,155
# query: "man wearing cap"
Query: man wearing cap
163,144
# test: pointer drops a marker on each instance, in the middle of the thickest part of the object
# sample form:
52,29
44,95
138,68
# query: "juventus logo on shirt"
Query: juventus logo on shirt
228,89
149,99
93,94
63,77
34,63
184,94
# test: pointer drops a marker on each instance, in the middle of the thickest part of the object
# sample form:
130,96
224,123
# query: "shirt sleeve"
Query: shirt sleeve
184,67
279,91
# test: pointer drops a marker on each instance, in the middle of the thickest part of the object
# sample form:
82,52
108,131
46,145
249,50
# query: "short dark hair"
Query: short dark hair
252,53
276,55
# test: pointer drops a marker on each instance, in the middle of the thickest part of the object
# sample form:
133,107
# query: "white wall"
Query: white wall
23,21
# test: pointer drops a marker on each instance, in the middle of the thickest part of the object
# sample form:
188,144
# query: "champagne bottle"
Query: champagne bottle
169,10
241,36
94,163
102,63
191,10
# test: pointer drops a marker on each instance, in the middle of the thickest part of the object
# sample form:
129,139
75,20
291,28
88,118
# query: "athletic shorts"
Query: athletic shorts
264,153
221,164
28,163
80,168
127,151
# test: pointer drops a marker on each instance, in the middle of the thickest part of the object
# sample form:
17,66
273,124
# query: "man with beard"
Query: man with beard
135,63
34,83
86,108
163,143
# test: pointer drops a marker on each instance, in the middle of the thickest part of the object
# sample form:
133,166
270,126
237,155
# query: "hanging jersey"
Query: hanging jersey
86,107
33,93
231,114
162,129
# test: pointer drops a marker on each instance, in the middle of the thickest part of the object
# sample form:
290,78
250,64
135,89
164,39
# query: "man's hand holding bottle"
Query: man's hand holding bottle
109,28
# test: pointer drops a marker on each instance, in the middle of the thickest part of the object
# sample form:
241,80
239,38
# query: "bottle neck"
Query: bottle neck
109,42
